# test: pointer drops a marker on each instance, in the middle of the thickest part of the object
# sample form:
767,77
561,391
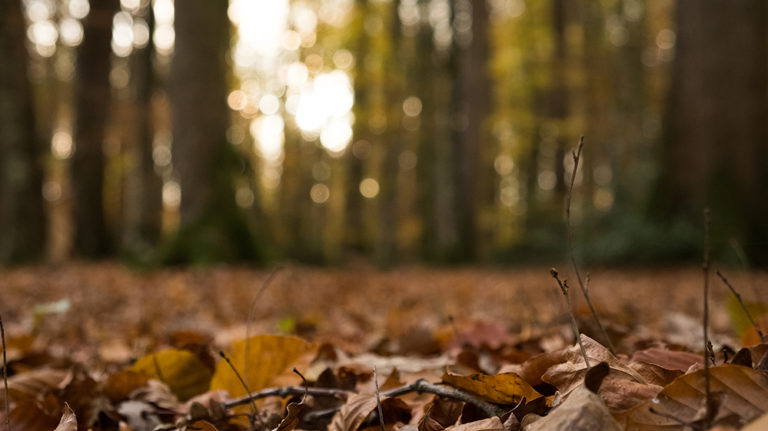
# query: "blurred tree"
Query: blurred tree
471,93
92,101
143,206
22,220
388,220
354,232
211,226
715,146
558,95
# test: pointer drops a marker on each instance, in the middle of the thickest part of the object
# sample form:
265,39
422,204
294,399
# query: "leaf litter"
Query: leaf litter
461,349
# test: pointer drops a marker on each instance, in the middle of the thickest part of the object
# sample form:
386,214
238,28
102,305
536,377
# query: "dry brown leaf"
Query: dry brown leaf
291,419
181,370
269,355
201,425
745,389
120,384
490,424
442,412
622,389
353,413
668,359
28,415
582,411
68,420
31,384
759,424
506,388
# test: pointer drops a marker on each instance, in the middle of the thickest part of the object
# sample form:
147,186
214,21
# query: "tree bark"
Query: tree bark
22,218
144,204
211,227
715,147
92,102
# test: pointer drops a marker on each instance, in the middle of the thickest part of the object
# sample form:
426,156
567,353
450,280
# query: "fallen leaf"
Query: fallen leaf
31,384
505,388
490,424
759,424
745,389
119,385
583,410
181,370
268,356
68,420
353,413
668,359
442,412
291,419
28,415
622,389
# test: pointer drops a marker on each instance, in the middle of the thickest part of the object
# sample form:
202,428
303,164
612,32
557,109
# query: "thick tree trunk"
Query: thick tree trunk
22,221
211,228
715,144
92,102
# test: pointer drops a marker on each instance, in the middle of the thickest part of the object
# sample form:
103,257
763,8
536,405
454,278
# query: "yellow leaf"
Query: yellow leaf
739,319
504,388
181,370
268,356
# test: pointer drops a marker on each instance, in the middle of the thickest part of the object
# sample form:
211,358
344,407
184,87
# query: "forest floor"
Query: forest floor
102,317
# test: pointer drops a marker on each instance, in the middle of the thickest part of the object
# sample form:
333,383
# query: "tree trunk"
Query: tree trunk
714,151
211,227
144,204
22,219
92,102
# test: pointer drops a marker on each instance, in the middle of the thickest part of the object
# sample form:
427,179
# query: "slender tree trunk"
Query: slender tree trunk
92,102
211,227
386,246
22,220
354,232
144,204
715,143
558,109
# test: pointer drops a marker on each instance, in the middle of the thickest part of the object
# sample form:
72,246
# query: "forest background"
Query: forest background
398,131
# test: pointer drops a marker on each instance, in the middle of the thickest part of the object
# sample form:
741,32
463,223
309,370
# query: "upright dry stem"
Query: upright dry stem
5,378
378,400
252,312
705,269
254,410
574,324
569,242
743,306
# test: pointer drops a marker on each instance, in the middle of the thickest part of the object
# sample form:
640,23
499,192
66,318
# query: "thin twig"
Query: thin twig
289,391
574,324
5,378
569,242
378,400
743,306
267,282
705,269
304,382
421,386
157,369
254,410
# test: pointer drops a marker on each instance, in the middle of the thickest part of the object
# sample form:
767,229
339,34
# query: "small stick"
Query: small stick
569,242
239,377
420,385
574,324
705,270
378,400
743,306
5,378
304,382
